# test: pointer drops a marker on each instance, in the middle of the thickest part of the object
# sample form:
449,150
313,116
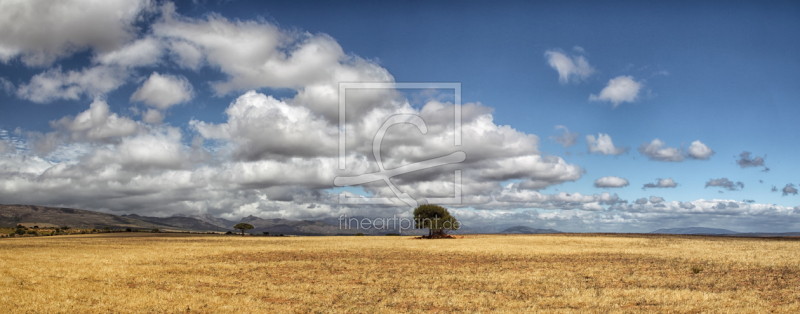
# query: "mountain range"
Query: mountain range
11,215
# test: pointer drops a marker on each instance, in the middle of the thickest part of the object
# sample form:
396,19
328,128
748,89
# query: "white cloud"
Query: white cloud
698,150
566,139
41,31
789,189
7,147
574,68
258,54
657,150
661,183
262,127
163,91
152,116
611,182
603,144
186,55
619,89
656,199
7,86
54,84
143,52
96,124
726,184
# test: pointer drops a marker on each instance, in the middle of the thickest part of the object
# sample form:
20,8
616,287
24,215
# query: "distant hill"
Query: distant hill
694,230
189,223
330,226
219,222
11,215
528,230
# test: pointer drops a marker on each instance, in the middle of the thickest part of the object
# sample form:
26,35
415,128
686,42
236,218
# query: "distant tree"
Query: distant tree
436,219
64,227
106,228
19,226
128,230
228,232
20,231
360,234
243,226
265,233
155,230
36,227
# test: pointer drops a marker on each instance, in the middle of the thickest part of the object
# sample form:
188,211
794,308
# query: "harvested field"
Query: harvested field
159,273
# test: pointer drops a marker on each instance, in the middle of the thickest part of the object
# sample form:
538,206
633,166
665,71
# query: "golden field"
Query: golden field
174,273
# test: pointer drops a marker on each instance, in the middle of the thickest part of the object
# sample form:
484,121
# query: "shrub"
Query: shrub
20,231
228,232
31,232
697,269
359,234
392,234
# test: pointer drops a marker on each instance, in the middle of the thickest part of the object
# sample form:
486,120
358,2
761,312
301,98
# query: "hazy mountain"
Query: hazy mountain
694,230
528,230
219,222
182,222
11,215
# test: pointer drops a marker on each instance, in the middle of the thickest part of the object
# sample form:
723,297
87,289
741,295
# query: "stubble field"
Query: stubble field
121,273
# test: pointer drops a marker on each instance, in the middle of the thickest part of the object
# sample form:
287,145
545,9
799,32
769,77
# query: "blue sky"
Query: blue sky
725,74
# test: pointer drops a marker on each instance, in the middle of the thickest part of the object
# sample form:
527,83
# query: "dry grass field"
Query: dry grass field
156,273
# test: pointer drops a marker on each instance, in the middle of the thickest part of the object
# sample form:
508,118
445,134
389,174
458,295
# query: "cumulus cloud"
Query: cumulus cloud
726,184
153,116
574,68
42,31
142,52
789,189
278,157
162,91
698,150
657,150
97,123
745,161
186,55
656,199
620,89
55,84
7,86
7,147
610,182
566,139
603,145
262,55
661,183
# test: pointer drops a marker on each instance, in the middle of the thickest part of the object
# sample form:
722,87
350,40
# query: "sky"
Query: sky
576,115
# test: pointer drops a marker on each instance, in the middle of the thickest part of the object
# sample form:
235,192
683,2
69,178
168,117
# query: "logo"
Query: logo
385,174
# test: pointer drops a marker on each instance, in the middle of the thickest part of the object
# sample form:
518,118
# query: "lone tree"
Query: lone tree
243,226
436,218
